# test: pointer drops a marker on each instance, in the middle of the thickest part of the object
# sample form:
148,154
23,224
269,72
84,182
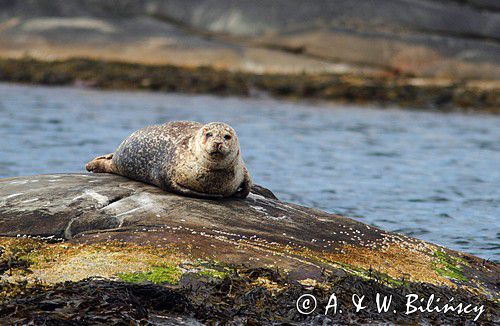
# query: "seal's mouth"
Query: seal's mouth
216,153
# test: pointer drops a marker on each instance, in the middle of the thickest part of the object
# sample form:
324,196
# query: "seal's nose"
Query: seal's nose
218,145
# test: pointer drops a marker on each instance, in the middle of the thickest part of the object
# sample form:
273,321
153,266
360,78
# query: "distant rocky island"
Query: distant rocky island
431,54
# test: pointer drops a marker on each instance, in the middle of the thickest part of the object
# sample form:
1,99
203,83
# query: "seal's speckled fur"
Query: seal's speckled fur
184,157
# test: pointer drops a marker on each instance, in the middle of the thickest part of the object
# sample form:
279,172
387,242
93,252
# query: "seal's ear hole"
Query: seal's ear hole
208,134
227,137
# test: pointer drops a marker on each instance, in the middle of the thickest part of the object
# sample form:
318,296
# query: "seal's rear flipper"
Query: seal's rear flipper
102,164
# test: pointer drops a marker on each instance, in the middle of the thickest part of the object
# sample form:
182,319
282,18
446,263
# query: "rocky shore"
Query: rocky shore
419,93
81,249
441,55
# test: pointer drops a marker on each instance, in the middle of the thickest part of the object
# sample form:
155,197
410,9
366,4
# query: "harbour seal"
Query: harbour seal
183,157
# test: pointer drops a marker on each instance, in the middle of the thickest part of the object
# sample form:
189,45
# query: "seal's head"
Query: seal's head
217,143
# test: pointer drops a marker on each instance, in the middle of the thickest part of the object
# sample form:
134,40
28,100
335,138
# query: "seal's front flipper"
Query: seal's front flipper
102,164
191,193
245,187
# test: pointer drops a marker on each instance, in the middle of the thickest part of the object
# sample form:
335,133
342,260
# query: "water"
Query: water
430,175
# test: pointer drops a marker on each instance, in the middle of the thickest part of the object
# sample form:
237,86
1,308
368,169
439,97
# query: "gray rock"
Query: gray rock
427,38
82,203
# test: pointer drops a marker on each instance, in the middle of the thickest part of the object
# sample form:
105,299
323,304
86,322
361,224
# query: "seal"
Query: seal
183,157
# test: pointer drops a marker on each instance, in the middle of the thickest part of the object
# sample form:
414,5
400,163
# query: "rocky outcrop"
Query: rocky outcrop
425,38
422,54
203,260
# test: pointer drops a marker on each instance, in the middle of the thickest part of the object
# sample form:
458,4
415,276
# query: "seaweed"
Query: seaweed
449,266
237,298
399,90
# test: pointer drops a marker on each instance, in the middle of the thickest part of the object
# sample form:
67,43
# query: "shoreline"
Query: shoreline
391,90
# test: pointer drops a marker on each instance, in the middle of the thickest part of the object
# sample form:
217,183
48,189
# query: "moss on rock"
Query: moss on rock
157,275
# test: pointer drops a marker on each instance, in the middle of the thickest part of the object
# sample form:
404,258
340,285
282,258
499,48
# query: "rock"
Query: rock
224,260
425,38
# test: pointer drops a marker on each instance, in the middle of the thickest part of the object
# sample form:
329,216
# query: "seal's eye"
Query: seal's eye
227,137
208,135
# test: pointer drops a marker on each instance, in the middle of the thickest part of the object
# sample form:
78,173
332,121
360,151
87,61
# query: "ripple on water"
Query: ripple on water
432,199
414,232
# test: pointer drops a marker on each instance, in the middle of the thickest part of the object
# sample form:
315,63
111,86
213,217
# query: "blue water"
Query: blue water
430,175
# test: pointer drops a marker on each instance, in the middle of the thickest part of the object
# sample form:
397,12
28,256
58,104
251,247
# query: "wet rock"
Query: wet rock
226,260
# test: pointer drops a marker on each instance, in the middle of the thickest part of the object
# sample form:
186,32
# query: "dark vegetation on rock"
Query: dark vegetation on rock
236,299
404,91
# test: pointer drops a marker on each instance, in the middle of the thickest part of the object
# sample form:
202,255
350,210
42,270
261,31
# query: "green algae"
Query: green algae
212,273
449,266
168,274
